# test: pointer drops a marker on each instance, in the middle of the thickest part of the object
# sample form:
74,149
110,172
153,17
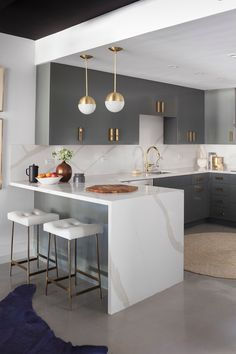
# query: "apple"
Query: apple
48,174
54,174
42,175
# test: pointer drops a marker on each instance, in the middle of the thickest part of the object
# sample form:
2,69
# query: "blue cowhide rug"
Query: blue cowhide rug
22,331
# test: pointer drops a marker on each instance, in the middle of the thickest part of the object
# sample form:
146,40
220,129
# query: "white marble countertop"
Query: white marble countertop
73,191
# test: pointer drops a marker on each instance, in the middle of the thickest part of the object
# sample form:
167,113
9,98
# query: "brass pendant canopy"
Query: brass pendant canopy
115,101
87,104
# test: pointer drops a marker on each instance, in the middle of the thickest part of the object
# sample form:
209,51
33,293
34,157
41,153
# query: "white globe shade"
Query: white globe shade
114,102
87,105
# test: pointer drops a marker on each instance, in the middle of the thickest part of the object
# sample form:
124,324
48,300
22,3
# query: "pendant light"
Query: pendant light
115,101
87,104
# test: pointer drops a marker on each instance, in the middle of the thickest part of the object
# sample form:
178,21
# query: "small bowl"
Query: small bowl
49,180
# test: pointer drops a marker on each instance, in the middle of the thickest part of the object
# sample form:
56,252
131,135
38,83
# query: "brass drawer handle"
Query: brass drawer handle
194,136
219,178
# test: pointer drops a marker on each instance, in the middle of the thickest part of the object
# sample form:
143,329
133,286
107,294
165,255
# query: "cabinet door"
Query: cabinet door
220,116
191,117
199,202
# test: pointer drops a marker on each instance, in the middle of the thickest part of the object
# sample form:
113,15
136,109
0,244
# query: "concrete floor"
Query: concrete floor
197,316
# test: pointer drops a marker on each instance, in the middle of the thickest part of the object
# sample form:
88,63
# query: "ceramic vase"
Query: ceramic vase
64,170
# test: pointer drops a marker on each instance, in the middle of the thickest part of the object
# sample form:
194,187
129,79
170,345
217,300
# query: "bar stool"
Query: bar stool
72,229
28,219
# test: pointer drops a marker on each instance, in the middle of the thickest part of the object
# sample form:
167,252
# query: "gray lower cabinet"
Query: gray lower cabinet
196,194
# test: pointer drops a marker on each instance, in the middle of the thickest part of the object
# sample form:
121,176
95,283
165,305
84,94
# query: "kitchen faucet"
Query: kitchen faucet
147,165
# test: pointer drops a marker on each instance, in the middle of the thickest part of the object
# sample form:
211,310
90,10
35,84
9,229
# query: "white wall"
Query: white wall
17,56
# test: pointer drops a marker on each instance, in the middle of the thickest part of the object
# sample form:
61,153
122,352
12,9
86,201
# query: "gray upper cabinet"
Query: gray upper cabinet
59,88
220,116
187,127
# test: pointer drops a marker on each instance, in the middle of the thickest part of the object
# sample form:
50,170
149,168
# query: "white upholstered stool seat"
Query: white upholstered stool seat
34,217
30,219
71,229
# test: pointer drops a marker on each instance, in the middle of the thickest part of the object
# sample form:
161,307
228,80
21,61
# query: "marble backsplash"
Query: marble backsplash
102,159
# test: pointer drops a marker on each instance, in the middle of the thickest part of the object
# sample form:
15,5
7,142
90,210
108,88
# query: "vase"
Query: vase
64,170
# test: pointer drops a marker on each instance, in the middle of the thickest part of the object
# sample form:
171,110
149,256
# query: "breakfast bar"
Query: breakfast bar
144,234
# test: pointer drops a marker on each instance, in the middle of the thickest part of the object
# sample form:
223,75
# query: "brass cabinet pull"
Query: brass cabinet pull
194,136
116,134
219,189
111,134
160,106
231,136
80,133
219,178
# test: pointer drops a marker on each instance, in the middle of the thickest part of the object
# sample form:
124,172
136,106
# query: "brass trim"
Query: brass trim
194,136
87,100
115,96
231,136
115,49
86,56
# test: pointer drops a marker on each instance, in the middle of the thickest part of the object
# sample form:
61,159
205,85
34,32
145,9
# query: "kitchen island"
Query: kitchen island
144,233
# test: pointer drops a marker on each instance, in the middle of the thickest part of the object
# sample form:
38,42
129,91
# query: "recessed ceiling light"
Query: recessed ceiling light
173,66
232,55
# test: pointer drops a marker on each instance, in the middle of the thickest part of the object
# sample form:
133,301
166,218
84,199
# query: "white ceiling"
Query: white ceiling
199,49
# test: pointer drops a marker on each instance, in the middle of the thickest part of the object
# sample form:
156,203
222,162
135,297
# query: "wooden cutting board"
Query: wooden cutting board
112,188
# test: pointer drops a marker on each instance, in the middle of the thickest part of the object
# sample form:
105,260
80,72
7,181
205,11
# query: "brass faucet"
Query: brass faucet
147,165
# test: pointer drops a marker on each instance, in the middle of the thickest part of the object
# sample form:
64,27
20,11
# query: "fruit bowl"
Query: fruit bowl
49,180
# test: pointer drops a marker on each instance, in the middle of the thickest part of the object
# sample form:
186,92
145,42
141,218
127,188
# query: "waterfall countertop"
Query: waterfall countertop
145,234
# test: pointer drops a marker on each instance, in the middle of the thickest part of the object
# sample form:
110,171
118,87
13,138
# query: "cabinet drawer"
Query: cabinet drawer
219,178
200,178
219,201
220,189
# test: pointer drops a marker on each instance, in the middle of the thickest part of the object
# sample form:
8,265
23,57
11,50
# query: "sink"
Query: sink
156,173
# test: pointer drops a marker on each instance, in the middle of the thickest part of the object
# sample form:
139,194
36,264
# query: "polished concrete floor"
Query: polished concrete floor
197,316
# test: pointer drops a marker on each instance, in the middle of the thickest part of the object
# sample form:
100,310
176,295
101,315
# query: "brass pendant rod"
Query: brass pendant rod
115,65
86,76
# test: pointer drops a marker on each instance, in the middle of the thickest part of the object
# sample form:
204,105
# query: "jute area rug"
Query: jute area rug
212,254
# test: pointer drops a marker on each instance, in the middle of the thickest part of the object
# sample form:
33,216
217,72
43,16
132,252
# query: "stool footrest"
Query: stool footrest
56,282
86,274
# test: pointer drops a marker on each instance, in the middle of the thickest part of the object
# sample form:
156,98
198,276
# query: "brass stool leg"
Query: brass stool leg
98,265
75,261
49,239
12,240
28,257
38,246
69,266
55,246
